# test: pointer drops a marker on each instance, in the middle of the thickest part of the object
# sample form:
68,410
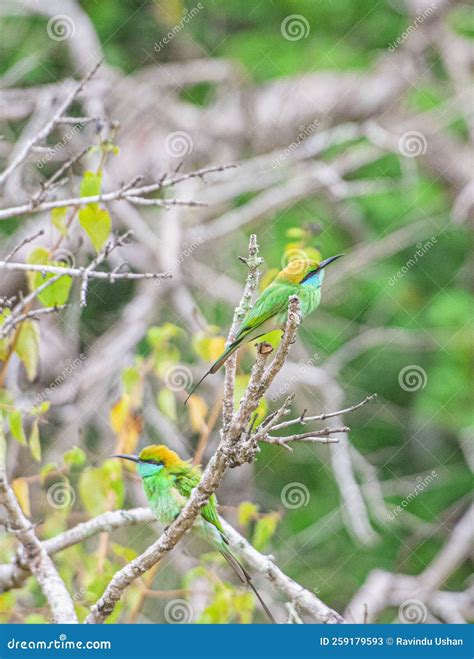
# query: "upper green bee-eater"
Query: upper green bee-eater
168,482
301,277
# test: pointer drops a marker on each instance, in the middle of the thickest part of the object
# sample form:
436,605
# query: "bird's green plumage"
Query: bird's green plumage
168,482
302,278
168,488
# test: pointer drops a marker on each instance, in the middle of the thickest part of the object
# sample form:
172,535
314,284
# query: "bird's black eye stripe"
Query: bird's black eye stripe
151,461
310,274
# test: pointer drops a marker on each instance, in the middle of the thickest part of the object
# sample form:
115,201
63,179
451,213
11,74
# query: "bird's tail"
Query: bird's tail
243,575
220,361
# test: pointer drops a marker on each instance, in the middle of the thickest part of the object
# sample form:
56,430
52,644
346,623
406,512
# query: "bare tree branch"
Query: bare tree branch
48,128
34,554
123,193
253,262
229,453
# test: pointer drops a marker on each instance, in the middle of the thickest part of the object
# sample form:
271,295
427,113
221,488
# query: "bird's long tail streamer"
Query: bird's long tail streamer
245,577
216,365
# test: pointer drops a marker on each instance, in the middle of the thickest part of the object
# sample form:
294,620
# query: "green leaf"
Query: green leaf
264,530
75,457
247,512
56,294
167,403
27,347
96,485
133,384
36,619
295,232
38,256
22,492
97,223
127,553
92,491
42,408
16,426
95,220
208,348
34,442
91,184
58,218
158,336
47,469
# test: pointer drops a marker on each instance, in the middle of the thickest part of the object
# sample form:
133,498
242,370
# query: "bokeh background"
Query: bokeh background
352,125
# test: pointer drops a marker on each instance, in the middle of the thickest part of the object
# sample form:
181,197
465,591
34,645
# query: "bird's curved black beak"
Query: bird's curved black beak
326,262
133,458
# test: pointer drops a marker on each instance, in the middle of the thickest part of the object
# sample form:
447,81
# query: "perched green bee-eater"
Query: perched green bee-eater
168,482
301,277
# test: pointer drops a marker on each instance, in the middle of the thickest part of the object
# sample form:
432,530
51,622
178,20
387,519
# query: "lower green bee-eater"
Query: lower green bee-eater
168,482
301,277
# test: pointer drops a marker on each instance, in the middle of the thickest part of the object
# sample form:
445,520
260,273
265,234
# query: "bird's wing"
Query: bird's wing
273,300
186,479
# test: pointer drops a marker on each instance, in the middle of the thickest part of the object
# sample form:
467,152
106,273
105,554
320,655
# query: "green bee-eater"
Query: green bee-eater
168,482
301,277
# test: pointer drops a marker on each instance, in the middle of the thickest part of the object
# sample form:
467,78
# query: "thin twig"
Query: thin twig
315,436
79,272
321,417
49,127
34,313
25,241
116,195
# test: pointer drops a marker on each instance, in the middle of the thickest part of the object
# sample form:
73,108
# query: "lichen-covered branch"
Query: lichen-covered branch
33,554
304,600
229,453
11,576
134,195
253,262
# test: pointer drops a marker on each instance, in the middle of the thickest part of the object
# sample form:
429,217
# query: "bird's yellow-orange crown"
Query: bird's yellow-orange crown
296,270
161,454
